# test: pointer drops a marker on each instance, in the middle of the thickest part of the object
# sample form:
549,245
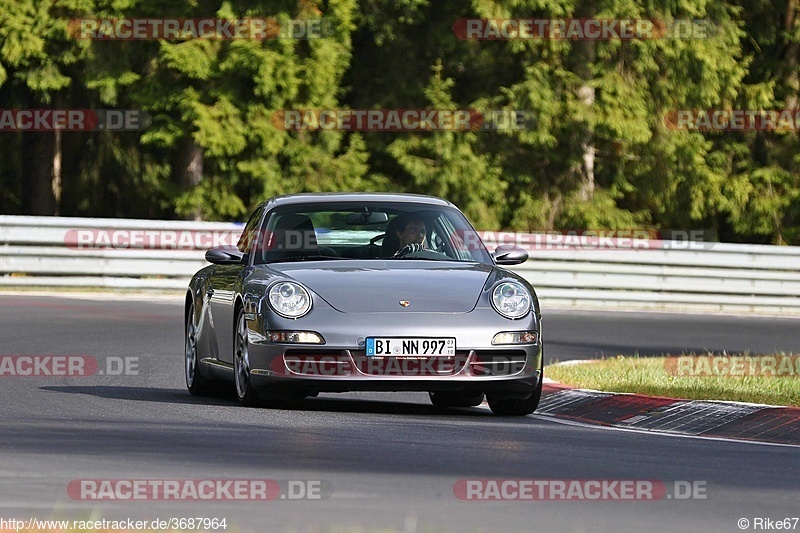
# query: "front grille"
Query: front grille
325,363
407,367
314,352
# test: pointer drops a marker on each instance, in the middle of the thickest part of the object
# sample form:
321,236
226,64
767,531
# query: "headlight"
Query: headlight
289,299
511,299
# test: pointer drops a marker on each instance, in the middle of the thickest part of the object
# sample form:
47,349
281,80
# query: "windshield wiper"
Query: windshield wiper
424,258
306,258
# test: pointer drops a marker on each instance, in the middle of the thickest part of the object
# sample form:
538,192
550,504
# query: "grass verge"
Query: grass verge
663,376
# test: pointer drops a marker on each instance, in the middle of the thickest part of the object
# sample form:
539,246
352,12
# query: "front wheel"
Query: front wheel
516,407
196,382
245,393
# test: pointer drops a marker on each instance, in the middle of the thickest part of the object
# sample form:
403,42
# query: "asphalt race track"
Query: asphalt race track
387,461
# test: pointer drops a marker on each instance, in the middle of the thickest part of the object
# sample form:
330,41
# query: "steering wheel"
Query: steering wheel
409,249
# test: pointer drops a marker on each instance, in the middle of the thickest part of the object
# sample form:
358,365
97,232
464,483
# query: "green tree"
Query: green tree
218,113
446,163
36,55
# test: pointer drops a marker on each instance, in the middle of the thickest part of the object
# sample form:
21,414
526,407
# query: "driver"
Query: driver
411,236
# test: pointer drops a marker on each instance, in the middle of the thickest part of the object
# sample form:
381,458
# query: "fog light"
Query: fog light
295,337
515,337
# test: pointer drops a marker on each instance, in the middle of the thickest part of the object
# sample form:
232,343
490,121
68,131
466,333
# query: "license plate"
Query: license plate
410,347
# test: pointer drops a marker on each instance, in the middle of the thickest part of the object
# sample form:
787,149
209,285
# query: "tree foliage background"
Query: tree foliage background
598,156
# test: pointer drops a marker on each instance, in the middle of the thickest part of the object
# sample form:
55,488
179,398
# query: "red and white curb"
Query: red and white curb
728,420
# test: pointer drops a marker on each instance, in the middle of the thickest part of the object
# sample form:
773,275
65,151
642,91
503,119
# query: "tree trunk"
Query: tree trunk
791,82
583,59
586,95
57,172
38,156
190,169
41,168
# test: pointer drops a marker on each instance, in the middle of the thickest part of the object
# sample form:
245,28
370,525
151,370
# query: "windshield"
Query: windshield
366,231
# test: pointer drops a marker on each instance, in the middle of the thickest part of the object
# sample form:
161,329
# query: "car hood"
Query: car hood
427,286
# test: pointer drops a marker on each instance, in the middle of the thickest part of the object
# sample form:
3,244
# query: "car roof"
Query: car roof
322,197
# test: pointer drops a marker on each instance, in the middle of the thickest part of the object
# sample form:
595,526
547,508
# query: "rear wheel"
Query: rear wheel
196,382
456,399
516,407
245,393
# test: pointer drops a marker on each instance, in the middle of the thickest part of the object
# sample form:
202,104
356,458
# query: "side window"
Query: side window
450,240
250,231
435,240
438,236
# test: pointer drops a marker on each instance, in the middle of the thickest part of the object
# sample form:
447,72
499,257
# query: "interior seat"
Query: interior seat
391,242
293,236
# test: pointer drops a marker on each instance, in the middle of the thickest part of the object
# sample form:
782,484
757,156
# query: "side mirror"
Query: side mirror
508,254
224,255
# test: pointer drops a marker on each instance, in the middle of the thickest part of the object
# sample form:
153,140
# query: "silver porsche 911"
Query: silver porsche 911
364,292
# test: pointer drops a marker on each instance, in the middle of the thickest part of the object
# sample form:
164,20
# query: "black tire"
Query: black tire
245,392
456,399
196,382
516,407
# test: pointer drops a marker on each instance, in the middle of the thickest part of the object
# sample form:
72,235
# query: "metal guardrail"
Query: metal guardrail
708,277
52,251
49,252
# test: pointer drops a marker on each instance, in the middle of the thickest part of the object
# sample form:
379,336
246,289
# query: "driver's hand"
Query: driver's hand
409,249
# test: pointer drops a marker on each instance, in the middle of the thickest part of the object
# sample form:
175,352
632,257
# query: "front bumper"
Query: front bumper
341,365
514,372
